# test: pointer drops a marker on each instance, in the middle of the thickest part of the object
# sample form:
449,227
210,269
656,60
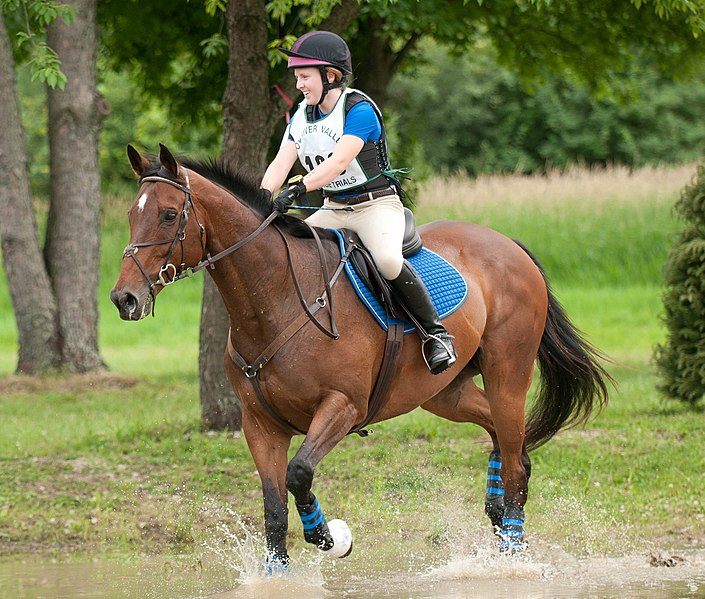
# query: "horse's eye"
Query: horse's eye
169,215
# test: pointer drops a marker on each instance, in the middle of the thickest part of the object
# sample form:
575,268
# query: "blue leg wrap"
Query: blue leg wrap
512,535
315,526
494,495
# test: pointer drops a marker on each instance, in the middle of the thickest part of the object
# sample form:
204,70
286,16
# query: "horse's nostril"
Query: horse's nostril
125,302
129,303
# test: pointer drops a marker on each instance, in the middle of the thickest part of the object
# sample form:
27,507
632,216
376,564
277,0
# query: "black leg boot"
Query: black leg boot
437,346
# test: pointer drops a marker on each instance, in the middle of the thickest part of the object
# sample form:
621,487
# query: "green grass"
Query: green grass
578,244
117,464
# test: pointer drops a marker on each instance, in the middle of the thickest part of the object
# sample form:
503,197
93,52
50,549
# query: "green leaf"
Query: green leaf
22,38
214,6
215,45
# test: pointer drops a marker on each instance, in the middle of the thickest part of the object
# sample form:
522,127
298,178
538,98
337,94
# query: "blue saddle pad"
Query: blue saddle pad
445,284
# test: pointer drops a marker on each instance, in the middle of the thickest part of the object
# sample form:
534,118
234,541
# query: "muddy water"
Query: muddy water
232,573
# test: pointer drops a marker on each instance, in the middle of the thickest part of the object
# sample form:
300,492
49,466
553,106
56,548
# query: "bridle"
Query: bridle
168,273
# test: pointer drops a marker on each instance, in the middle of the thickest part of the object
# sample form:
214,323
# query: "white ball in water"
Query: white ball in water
342,538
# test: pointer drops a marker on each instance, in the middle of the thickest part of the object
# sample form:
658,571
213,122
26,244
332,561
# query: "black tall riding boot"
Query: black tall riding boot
437,347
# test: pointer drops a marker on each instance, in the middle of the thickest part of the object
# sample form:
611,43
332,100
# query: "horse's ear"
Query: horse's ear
168,161
139,163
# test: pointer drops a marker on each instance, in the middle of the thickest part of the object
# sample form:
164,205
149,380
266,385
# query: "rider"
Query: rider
338,135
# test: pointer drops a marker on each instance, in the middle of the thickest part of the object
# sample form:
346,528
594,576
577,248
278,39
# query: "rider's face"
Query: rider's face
309,83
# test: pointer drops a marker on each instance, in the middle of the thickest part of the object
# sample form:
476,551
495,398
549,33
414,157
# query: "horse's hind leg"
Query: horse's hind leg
464,401
332,421
494,494
507,382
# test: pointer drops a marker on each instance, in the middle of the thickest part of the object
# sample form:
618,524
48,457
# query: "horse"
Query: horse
299,367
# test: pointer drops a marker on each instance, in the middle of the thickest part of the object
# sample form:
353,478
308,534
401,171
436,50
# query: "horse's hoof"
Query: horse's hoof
349,551
342,539
509,546
275,566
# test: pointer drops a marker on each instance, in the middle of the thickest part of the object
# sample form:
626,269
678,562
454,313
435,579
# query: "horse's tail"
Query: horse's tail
573,381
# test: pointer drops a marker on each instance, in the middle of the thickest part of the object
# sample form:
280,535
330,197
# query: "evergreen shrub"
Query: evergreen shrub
681,359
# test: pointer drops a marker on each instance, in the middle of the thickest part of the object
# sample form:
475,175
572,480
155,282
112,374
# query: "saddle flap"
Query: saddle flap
361,260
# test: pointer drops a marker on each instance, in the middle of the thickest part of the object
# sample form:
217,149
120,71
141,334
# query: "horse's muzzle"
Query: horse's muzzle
127,305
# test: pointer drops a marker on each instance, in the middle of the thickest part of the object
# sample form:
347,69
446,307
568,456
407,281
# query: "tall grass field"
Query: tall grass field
116,464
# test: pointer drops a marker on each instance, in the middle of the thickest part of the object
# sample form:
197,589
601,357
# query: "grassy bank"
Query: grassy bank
116,464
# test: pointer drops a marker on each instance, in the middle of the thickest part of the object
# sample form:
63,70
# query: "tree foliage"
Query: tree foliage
469,113
681,359
596,42
589,55
175,53
28,20
184,74
181,63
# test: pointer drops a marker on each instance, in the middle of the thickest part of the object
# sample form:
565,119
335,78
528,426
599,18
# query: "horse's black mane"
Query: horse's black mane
243,185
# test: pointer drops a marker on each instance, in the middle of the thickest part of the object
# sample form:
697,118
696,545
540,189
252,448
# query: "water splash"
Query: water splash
239,548
450,553
424,541
487,563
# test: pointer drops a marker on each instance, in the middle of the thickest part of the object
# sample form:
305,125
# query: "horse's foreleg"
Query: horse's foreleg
269,447
332,421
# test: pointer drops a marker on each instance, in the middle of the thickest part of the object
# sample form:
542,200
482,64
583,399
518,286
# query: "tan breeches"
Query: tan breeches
380,225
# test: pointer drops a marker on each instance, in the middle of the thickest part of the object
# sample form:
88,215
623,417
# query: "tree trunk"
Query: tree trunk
72,247
32,298
376,60
247,102
220,408
246,132
250,112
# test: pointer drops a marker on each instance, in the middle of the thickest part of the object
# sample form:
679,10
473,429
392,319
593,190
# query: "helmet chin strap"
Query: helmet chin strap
327,85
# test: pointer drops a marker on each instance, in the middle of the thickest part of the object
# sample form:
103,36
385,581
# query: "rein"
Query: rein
169,273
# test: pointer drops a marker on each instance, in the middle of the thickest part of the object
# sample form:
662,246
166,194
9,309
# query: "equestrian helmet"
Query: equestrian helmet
320,48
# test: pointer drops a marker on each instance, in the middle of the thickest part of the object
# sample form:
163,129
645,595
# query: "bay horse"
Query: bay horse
299,373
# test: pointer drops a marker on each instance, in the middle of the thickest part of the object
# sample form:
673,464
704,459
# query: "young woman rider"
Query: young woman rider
337,134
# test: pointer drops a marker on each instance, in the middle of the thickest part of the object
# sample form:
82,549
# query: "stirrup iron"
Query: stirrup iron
443,339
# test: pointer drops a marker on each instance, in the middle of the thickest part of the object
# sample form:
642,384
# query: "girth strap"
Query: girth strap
390,361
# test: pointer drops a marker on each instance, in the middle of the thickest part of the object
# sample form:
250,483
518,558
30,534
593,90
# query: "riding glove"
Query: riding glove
288,196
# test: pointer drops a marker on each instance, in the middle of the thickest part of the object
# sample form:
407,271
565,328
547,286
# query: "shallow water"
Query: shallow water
542,573
393,562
